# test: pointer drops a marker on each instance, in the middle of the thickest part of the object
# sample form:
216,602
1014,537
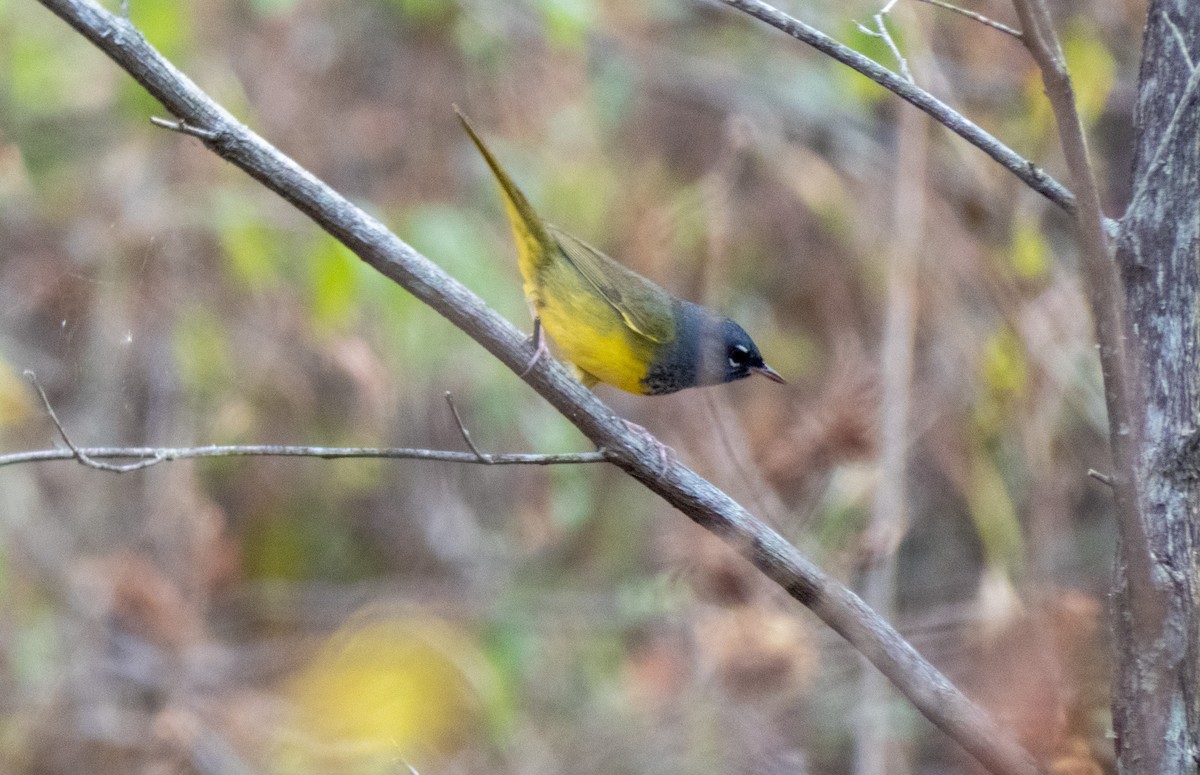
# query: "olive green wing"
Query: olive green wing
646,308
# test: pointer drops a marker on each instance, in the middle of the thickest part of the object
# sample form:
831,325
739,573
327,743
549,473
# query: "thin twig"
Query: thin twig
881,32
1099,269
148,456
75,452
1102,478
1122,391
984,20
462,428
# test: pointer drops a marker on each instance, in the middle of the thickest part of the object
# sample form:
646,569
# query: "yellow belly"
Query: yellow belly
591,334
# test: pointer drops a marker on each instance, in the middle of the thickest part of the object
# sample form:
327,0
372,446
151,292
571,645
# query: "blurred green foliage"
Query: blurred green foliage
334,282
201,351
303,543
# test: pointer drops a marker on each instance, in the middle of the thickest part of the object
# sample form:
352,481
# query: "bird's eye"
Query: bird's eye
738,356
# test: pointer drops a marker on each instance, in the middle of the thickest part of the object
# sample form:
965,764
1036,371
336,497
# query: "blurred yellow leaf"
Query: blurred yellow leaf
1005,376
568,21
1092,67
16,396
1093,73
1030,256
253,250
388,690
1004,369
249,248
164,23
38,84
856,86
333,283
994,515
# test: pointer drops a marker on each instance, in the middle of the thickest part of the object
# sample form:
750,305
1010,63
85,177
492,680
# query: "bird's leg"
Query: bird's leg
665,453
539,343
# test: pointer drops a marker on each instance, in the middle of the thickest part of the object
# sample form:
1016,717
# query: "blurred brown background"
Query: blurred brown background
304,616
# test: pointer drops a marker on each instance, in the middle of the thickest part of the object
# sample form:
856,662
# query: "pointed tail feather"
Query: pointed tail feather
529,231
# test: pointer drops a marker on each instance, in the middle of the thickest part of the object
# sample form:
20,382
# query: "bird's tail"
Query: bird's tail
529,231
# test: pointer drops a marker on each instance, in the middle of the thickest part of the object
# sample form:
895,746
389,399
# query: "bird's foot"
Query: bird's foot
540,348
665,453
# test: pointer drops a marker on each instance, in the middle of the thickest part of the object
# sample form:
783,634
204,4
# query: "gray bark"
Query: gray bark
1156,617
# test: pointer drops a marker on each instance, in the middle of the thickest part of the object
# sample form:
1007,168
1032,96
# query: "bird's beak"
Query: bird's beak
769,373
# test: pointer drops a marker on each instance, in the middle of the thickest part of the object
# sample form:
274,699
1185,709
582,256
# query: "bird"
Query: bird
610,324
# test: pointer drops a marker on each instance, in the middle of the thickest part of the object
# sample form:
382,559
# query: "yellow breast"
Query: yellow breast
588,331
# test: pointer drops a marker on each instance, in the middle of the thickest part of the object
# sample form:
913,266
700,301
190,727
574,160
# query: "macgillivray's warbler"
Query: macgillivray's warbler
612,324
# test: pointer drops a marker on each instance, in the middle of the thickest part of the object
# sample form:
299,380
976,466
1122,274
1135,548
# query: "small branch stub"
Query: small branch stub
462,429
184,127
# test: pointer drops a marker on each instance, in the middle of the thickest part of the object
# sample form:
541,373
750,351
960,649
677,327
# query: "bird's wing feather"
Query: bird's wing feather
645,308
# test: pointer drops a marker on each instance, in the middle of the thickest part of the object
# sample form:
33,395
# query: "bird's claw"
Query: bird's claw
540,348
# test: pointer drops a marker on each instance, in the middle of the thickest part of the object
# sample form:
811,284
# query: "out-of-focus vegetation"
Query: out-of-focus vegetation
307,616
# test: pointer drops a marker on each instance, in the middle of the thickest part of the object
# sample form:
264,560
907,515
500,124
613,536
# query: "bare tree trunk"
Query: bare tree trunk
1156,618
875,749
